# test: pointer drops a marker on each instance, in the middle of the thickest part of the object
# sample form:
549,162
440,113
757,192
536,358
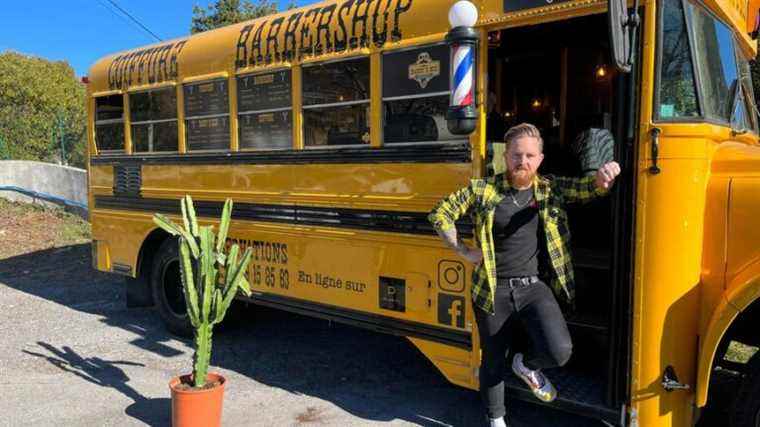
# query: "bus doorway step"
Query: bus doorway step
578,393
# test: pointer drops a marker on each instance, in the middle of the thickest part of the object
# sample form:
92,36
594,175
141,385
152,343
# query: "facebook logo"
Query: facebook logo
451,310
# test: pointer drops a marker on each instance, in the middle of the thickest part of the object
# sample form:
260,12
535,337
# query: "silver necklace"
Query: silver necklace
516,203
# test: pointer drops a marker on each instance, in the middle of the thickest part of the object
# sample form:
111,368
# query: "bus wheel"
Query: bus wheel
166,285
746,408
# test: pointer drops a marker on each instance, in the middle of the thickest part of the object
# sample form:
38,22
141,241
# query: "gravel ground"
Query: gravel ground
73,354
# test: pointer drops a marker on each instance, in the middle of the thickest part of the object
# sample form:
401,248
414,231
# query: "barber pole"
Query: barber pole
462,115
462,87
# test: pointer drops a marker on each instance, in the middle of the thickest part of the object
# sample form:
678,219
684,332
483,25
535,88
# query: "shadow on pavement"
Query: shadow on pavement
106,373
65,276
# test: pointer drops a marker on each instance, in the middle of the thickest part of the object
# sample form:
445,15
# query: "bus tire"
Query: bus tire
745,411
166,285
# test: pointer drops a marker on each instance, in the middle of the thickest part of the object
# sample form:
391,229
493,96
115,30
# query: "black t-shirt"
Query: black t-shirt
516,235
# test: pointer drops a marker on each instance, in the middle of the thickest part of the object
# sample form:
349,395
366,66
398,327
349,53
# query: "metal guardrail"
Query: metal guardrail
76,206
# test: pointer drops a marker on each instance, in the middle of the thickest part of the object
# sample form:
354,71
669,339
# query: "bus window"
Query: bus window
207,115
153,115
109,123
677,89
416,95
264,110
336,103
716,62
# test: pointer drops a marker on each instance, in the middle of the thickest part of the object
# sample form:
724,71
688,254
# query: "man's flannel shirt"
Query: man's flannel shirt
480,199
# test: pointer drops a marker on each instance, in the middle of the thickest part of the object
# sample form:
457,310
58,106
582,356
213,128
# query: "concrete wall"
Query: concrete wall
37,182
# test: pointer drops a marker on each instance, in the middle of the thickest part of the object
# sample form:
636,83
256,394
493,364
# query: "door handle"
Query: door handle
655,134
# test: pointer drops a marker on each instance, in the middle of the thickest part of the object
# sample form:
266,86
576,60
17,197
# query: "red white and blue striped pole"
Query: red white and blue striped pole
462,78
462,39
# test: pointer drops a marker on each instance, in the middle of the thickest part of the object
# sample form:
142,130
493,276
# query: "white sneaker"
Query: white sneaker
541,387
497,422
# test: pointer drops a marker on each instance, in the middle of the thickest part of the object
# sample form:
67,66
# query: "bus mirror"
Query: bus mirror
622,28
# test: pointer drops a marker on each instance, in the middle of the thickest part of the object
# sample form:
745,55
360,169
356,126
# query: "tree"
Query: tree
4,153
228,12
39,101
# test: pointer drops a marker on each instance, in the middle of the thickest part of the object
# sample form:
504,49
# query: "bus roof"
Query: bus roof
318,31
322,31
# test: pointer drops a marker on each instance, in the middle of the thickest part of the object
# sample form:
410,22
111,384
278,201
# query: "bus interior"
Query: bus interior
559,77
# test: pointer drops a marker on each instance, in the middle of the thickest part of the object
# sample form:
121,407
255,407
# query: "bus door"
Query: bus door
560,77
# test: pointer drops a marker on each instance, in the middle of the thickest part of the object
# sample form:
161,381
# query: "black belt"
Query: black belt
517,282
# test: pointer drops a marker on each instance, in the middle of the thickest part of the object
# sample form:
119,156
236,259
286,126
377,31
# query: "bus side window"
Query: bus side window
153,117
109,123
265,110
336,103
416,95
207,117
677,95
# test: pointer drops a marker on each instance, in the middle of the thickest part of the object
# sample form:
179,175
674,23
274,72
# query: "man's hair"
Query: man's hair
522,130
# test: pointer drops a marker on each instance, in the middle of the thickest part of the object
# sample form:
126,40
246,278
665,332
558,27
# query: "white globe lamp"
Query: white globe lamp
463,14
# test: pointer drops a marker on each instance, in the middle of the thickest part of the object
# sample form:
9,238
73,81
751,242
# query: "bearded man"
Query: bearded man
521,231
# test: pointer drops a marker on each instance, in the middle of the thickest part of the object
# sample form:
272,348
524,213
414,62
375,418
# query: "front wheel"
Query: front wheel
746,408
166,285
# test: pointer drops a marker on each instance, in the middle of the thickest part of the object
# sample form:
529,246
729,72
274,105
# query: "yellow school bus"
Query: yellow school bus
330,128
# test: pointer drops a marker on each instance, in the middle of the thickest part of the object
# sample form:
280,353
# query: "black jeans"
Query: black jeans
535,309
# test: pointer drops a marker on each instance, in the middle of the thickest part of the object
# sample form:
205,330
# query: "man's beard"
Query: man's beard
521,177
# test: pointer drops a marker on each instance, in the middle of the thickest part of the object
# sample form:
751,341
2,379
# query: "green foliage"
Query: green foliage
34,95
4,153
208,294
228,12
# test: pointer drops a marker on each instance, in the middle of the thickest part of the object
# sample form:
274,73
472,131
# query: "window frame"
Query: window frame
737,58
150,122
292,71
187,118
694,65
304,108
122,120
750,104
700,89
384,99
700,117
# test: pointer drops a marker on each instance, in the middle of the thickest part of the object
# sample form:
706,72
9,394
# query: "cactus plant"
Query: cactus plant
211,276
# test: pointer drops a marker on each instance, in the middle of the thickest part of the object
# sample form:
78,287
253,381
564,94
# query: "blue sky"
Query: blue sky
81,31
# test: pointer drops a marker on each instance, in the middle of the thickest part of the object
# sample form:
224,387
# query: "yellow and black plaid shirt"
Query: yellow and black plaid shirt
480,199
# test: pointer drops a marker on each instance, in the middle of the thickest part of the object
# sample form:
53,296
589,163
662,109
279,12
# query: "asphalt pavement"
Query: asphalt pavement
71,353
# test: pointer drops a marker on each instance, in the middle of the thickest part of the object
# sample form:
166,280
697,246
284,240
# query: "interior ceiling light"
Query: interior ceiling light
601,71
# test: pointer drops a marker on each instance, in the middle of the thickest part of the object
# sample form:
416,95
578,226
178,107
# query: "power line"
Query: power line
117,14
135,20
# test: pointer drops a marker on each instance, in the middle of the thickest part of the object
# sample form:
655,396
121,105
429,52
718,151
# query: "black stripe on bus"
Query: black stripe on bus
375,322
439,153
363,219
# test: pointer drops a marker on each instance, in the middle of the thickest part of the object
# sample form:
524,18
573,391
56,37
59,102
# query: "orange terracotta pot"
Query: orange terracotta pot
197,408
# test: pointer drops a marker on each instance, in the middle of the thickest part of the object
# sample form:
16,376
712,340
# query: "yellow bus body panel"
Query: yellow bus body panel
731,279
689,283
